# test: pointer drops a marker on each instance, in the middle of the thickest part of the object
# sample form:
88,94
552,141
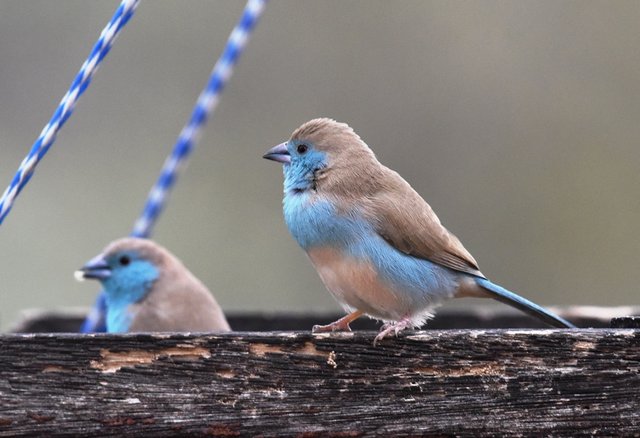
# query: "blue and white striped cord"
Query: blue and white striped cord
67,104
205,105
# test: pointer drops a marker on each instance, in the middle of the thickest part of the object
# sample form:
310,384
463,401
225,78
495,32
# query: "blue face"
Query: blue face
126,278
131,276
305,161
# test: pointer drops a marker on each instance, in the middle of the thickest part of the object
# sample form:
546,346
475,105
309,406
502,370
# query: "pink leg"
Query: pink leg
340,325
394,327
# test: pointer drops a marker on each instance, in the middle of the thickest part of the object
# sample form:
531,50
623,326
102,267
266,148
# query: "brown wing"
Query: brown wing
407,222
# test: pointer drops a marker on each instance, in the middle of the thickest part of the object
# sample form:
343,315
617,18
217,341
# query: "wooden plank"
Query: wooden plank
437,382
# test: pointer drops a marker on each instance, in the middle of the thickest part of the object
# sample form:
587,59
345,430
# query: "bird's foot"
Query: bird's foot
341,325
395,327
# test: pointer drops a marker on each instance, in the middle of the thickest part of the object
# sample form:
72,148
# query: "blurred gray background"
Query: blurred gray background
517,121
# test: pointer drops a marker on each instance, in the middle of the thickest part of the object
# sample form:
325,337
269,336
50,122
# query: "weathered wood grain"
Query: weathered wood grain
437,382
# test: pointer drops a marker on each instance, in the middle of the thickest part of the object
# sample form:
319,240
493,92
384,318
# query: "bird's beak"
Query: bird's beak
278,153
96,268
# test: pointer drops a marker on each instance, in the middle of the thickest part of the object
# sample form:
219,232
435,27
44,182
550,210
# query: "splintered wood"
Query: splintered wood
480,382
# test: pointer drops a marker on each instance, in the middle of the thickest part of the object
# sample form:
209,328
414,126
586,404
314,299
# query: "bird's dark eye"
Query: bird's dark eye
124,260
302,148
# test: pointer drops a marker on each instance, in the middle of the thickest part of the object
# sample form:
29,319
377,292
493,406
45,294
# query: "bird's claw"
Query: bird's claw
333,327
388,327
340,325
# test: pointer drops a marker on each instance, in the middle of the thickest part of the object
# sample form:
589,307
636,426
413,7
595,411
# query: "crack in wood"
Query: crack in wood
226,374
489,369
56,369
113,361
261,350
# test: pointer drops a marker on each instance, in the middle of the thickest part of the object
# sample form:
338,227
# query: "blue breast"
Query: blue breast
127,286
119,318
316,223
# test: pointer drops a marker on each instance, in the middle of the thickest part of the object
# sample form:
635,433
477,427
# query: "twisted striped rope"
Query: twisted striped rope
205,105
67,104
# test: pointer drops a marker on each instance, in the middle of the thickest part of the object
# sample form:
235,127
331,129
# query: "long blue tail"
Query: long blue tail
501,294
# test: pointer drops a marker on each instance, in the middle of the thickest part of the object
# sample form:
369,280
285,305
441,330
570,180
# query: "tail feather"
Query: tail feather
503,295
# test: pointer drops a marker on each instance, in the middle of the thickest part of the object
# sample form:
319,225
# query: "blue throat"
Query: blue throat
127,285
299,174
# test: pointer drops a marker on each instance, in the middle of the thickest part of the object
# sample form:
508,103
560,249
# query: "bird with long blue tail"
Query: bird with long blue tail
375,242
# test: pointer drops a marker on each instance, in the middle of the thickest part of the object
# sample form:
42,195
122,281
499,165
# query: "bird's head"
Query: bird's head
322,150
127,269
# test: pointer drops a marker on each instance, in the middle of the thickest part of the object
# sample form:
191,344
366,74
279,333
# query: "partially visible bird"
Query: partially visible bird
148,289
377,245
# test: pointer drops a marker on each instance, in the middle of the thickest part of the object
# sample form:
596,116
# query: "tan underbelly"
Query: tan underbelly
356,284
